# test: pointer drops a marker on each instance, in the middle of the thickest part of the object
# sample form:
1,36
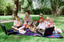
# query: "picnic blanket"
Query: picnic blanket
29,33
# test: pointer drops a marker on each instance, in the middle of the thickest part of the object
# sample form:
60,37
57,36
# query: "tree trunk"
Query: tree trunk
53,9
15,9
57,8
60,11
19,6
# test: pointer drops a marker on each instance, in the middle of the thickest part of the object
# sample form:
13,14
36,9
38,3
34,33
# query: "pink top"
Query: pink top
51,24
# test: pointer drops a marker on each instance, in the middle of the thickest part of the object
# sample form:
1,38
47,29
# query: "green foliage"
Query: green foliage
44,11
62,3
6,7
25,4
2,6
9,8
30,2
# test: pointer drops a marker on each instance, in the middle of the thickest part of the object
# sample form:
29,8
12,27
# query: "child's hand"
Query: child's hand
35,22
38,28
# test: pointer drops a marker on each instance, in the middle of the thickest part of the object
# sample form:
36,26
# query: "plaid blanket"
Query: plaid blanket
29,33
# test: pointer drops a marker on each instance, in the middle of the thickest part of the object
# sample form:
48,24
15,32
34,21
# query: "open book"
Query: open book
22,31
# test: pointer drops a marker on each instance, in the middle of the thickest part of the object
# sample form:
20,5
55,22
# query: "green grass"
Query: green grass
59,21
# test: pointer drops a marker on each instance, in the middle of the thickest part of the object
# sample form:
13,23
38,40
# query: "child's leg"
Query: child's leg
22,27
13,27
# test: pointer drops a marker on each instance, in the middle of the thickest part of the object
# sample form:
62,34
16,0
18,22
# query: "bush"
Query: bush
1,12
63,12
44,11
2,6
9,9
6,7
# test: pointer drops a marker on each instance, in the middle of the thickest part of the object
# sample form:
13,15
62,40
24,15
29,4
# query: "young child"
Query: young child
32,27
17,23
51,24
47,21
40,17
41,25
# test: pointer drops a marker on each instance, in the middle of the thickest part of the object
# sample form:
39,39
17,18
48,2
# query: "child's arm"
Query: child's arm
35,22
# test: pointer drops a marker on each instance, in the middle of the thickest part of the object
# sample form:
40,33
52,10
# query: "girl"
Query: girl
47,21
51,24
41,25
32,27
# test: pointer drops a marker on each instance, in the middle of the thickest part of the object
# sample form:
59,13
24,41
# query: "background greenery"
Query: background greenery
6,6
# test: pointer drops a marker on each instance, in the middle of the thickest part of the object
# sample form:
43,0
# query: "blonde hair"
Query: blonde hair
48,17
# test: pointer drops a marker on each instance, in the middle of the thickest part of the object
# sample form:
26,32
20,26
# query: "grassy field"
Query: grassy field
59,21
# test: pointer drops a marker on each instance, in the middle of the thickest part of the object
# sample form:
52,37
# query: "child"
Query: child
47,21
40,17
51,24
32,27
17,23
41,25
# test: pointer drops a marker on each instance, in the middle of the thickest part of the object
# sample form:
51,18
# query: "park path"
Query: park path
6,21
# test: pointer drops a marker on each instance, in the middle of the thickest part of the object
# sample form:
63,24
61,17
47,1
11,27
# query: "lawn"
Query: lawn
59,21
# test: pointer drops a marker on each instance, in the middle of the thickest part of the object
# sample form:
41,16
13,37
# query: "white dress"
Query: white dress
41,26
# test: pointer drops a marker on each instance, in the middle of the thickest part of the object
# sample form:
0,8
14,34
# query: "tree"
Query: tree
52,6
58,8
15,9
30,4
57,11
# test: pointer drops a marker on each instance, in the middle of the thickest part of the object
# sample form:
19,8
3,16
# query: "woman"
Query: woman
27,19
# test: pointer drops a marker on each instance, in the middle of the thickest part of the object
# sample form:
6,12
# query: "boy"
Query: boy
40,17
17,23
